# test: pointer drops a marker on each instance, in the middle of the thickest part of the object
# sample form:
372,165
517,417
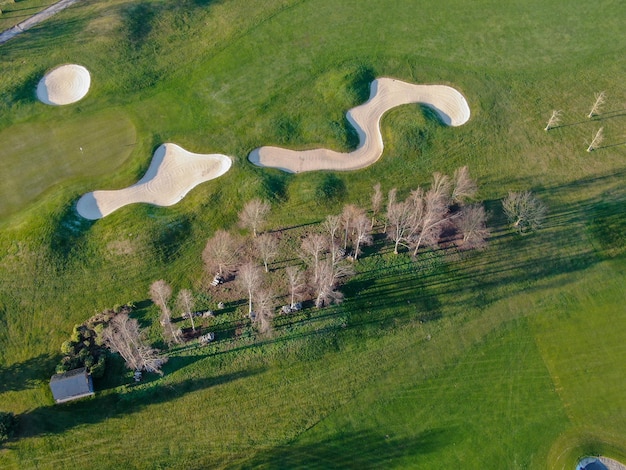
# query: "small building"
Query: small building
71,385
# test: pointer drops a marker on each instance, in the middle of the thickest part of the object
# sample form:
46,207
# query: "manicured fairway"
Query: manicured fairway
511,357
38,156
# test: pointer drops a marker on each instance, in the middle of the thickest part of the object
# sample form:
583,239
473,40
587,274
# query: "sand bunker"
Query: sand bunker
385,94
64,85
173,172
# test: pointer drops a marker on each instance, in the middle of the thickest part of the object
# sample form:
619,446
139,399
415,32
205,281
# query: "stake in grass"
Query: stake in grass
554,120
597,140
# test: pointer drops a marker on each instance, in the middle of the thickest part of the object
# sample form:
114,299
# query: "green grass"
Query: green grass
83,146
14,12
515,330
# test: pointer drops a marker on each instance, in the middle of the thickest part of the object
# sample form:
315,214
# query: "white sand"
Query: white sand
64,85
173,172
385,94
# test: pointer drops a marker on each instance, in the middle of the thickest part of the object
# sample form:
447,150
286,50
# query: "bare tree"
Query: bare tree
431,211
314,245
400,217
554,120
348,216
253,215
362,234
249,280
267,248
264,311
524,211
122,335
295,280
464,187
332,224
377,202
597,104
472,225
597,140
186,303
391,200
221,253
329,278
441,187
160,293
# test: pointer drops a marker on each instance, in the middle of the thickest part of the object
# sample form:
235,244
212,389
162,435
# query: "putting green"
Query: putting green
36,156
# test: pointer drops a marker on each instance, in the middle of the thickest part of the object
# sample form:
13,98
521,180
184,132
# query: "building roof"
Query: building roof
71,385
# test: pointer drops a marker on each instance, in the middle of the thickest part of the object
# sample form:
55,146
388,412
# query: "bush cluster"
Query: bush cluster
85,348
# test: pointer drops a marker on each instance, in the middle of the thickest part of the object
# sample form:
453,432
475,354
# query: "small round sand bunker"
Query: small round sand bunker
64,85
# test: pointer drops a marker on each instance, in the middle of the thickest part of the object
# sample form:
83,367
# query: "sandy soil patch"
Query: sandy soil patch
385,94
173,172
64,85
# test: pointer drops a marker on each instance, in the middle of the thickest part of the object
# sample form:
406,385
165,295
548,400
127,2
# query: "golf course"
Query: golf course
134,132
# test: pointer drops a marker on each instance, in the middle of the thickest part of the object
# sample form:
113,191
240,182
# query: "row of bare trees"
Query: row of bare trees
160,294
596,109
417,221
598,137
422,219
423,216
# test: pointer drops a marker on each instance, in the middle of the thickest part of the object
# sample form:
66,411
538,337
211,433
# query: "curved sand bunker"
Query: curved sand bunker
173,172
64,85
385,94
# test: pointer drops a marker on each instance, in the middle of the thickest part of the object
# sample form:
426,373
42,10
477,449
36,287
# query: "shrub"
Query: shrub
97,370
67,348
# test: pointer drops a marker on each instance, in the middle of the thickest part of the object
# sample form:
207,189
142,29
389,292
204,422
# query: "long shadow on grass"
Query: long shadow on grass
68,234
27,374
58,419
576,236
362,450
391,289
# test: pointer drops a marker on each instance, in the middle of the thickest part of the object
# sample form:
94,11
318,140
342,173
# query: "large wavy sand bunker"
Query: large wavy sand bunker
385,94
173,172
64,85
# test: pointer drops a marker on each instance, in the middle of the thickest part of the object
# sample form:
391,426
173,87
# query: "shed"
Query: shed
71,385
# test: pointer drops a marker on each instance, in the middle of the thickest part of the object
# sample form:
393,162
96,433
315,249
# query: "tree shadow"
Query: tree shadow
69,232
275,185
609,146
58,419
598,117
27,374
25,92
171,237
363,450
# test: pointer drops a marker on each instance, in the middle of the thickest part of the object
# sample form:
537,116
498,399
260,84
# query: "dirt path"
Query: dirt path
34,20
